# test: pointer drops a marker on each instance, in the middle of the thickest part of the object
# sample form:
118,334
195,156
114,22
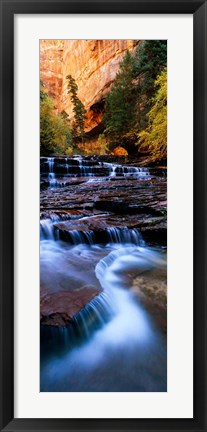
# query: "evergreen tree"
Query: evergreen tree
120,108
131,96
78,109
150,59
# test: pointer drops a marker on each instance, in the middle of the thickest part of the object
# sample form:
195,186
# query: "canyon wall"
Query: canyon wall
51,68
92,63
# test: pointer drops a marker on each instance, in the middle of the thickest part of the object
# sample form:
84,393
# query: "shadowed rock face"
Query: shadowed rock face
92,63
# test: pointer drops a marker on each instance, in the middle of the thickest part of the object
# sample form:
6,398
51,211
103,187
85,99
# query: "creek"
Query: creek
96,333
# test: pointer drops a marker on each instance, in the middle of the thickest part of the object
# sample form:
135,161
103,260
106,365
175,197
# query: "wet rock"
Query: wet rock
122,206
98,209
67,281
151,289
64,214
100,229
132,203
58,309
44,184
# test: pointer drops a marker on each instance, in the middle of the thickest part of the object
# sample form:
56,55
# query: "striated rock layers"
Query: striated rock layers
51,67
92,63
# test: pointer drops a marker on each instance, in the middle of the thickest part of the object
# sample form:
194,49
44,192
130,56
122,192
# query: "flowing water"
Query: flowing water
57,170
112,344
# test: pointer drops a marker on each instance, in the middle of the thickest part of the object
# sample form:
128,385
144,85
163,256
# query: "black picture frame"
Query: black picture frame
8,9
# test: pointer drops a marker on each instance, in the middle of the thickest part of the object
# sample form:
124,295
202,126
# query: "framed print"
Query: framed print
103,215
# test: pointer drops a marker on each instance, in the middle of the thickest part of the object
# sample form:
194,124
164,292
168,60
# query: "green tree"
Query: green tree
79,110
46,123
62,135
130,97
149,60
55,136
120,107
153,139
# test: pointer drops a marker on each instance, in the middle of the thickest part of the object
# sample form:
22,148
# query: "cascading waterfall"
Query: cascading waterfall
123,235
126,171
51,175
110,344
58,170
47,226
94,315
51,164
47,230
91,318
112,235
101,309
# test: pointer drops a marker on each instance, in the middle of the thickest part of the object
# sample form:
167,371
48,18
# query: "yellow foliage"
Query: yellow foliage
154,138
103,144
69,151
96,147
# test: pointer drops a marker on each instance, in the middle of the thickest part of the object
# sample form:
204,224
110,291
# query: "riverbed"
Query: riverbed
102,251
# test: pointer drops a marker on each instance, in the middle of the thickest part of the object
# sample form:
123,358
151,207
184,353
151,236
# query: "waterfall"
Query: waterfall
51,164
123,235
136,172
116,170
83,167
79,237
51,175
54,183
110,235
113,171
47,231
95,314
95,334
92,317
111,167
111,344
104,307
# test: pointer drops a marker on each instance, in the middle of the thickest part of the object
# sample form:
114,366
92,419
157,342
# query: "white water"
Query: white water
51,175
127,171
127,353
112,235
46,229
51,164
84,169
121,348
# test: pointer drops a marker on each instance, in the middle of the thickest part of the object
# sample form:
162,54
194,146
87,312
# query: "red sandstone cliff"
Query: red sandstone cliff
92,63
51,67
